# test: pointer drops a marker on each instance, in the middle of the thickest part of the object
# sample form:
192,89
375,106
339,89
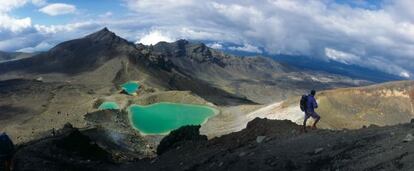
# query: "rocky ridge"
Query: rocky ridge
264,144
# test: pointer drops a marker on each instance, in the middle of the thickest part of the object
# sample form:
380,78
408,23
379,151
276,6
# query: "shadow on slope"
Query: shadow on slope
69,149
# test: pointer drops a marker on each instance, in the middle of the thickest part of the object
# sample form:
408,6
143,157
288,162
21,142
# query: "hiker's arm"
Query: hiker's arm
315,105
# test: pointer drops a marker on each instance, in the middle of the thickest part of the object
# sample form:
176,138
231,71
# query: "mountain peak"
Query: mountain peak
104,35
182,42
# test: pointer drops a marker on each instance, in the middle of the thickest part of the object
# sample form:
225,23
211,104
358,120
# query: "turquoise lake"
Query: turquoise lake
161,118
130,87
108,105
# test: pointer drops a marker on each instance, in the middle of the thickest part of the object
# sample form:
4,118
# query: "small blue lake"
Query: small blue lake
108,105
130,87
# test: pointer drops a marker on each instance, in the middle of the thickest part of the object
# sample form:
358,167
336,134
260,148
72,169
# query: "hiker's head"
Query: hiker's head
313,92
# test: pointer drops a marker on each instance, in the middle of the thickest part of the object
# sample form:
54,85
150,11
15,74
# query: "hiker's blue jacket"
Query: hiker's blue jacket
311,104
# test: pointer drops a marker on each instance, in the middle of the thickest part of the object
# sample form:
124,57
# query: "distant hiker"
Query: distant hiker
308,105
6,152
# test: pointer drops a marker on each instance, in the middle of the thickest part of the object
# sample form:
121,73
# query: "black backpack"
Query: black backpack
6,146
303,101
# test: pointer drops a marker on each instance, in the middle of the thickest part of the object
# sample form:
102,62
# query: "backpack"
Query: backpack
303,102
6,146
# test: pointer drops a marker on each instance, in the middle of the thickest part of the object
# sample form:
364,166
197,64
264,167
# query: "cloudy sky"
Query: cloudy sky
377,34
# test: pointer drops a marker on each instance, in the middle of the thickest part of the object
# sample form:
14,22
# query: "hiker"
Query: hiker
308,105
6,152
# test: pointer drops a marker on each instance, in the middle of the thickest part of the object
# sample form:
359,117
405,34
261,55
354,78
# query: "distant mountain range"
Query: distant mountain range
293,61
334,67
181,65
317,64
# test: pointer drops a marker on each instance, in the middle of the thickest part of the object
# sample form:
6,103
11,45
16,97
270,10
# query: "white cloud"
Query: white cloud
154,37
54,29
20,34
198,33
382,33
405,74
8,5
27,39
13,24
148,5
340,56
9,24
215,45
385,65
376,62
246,48
58,9
43,46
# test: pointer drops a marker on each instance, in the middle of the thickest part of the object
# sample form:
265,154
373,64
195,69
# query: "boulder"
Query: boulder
409,137
260,139
179,136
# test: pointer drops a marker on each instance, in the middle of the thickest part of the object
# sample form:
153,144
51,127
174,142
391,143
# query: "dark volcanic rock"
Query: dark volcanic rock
285,148
75,56
180,136
69,150
114,133
105,35
80,144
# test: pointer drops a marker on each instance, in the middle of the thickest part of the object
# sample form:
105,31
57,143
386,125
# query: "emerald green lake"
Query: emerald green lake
108,105
161,118
130,87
